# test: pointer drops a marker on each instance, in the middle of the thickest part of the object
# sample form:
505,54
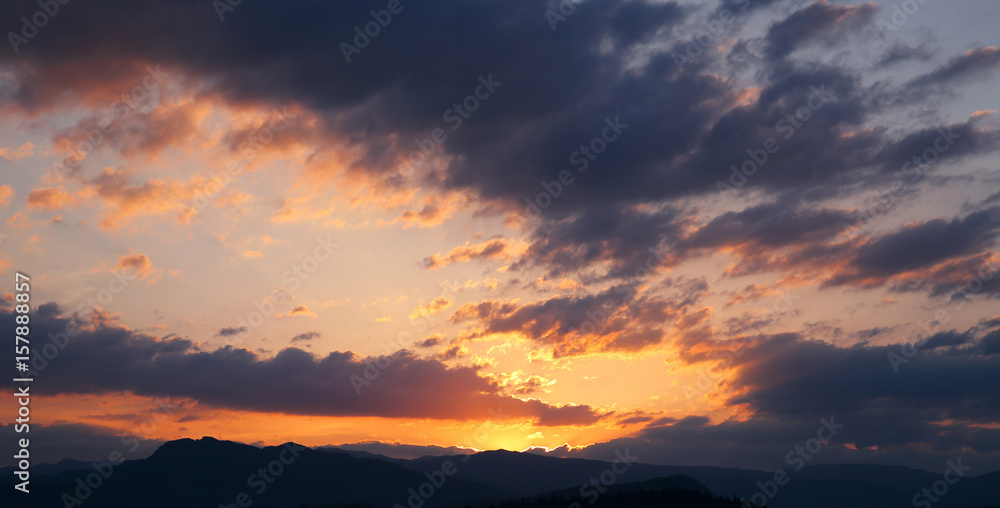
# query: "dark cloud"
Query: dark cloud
429,342
922,245
768,227
106,358
629,241
305,337
816,376
743,6
975,63
990,345
819,20
230,330
900,52
924,150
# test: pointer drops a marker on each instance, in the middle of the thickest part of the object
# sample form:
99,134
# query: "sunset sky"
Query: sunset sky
688,229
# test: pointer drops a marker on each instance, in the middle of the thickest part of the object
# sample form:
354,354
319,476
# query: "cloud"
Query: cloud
51,198
975,63
820,20
430,341
6,194
768,226
13,154
900,52
229,331
919,246
497,248
627,241
137,264
299,310
305,337
614,320
106,358
433,308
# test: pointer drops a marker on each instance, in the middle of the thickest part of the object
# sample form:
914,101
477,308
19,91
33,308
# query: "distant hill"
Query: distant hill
210,473
673,492
361,454
49,469
678,482
834,486
528,474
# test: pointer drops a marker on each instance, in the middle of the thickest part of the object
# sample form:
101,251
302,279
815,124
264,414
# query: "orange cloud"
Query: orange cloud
125,201
614,321
435,307
12,154
497,248
299,310
6,194
139,265
20,221
51,198
430,215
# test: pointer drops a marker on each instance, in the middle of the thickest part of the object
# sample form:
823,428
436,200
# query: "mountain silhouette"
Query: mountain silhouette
829,486
211,473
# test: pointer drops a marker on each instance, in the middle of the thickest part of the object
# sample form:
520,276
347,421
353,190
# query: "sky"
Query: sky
700,231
